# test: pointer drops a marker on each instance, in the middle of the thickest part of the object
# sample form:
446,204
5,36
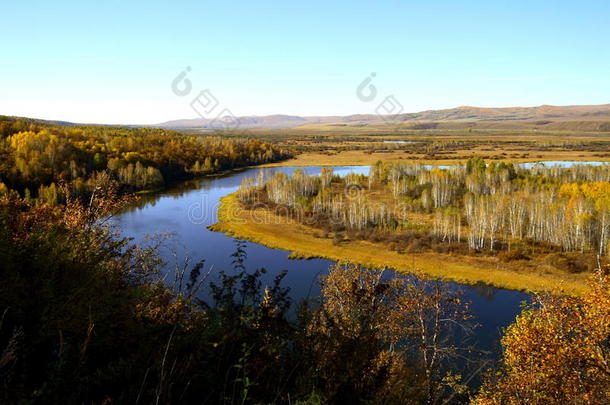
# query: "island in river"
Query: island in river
466,237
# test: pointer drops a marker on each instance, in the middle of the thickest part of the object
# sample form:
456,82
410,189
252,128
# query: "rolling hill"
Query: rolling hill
578,117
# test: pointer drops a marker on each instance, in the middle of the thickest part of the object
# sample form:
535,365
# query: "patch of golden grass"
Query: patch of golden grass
364,158
279,232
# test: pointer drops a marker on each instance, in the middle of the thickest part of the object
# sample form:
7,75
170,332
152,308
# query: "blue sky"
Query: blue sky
114,61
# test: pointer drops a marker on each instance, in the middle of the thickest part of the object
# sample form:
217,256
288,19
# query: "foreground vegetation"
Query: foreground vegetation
36,157
86,318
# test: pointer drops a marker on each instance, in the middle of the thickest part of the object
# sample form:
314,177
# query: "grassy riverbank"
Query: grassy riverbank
362,158
279,232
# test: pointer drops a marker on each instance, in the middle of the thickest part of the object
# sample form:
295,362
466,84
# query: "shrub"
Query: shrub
556,352
511,255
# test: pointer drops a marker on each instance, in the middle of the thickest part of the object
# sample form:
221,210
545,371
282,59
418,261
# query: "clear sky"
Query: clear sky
114,61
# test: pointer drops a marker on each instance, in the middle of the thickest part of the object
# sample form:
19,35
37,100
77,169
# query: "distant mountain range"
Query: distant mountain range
543,114
584,118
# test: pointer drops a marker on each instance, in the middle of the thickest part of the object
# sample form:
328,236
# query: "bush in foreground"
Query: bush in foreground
556,352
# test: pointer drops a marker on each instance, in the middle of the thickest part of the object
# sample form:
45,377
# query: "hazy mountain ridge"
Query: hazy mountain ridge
463,113
593,118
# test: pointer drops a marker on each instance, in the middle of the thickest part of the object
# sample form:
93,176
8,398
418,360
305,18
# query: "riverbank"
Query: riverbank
208,176
279,232
362,158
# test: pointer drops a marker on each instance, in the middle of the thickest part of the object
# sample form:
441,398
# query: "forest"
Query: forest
484,209
36,158
88,317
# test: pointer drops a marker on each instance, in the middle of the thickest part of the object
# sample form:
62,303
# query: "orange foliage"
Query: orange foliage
556,352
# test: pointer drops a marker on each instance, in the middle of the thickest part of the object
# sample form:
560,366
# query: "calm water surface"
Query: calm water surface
187,210
562,163
401,141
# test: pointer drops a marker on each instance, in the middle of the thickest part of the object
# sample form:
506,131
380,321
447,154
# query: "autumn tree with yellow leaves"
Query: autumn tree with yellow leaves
556,352
36,157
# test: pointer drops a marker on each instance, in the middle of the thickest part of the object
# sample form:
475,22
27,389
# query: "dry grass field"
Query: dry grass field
352,145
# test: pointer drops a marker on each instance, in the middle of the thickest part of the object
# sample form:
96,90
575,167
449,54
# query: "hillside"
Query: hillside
584,117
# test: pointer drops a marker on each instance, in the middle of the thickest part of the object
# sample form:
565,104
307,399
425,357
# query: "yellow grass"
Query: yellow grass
262,226
363,158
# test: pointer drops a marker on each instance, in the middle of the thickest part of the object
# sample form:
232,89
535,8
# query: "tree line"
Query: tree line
484,206
36,157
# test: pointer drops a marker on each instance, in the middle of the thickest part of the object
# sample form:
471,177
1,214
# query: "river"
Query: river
185,211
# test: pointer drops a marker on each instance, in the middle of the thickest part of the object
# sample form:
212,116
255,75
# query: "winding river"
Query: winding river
187,210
